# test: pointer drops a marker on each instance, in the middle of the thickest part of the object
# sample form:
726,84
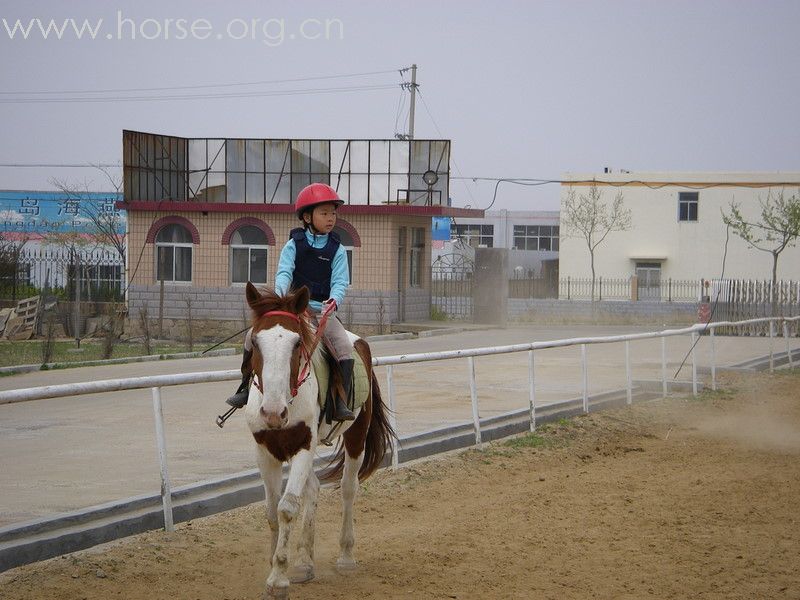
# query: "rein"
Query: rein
305,372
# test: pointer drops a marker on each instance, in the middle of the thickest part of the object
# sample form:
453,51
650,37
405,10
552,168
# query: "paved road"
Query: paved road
68,453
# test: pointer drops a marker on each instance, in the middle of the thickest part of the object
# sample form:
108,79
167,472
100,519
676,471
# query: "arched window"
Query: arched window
173,253
248,255
347,241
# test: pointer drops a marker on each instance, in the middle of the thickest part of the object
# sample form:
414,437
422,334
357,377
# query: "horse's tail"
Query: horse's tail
375,442
379,435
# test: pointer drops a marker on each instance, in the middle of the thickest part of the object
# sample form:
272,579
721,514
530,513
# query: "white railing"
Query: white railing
159,381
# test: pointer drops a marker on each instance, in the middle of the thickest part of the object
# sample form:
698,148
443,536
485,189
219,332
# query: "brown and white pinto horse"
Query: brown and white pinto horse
283,414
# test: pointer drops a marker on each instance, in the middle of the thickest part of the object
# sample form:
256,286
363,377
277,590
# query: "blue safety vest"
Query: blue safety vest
313,266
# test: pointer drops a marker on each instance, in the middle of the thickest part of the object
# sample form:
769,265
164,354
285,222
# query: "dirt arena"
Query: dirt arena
673,499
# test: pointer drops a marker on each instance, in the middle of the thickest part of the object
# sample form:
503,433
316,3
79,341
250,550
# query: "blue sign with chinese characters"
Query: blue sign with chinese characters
58,212
440,229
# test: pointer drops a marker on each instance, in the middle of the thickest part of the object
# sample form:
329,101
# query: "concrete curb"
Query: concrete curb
13,370
434,332
48,537
17,369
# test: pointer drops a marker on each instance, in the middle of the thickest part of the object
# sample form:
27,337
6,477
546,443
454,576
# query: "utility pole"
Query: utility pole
413,87
413,101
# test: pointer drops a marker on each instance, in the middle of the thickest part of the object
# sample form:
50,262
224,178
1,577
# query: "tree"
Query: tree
777,230
592,219
10,251
107,224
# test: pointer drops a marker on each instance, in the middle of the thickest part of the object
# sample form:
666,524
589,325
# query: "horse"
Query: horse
283,415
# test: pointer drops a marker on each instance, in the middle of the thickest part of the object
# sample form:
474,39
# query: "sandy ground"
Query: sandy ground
676,498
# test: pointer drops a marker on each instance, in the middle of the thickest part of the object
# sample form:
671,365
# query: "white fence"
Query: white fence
155,383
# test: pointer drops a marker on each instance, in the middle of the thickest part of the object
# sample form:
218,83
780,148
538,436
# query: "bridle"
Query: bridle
305,352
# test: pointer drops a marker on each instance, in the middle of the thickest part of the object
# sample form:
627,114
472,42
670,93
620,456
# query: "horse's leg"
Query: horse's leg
349,485
272,475
289,506
303,569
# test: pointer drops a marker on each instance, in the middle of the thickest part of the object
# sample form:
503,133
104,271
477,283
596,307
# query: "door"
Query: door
649,276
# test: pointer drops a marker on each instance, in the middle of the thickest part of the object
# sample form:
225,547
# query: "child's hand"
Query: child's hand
329,305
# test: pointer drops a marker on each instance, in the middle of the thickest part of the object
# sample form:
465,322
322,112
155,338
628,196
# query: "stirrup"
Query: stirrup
239,399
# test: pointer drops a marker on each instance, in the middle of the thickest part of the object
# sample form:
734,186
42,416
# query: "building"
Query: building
207,215
531,237
677,231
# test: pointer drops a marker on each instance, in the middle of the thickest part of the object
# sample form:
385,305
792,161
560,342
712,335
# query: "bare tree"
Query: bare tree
587,216
144,325
777,230
187,300
108,226
10,251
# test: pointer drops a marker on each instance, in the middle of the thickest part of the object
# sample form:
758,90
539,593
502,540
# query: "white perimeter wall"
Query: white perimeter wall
686,250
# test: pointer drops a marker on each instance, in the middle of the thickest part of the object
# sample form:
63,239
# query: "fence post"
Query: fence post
664,366
474,394
628,371
531,390
695,338
392,417
713,360
76,326
788,348
166,492
771,346
585,367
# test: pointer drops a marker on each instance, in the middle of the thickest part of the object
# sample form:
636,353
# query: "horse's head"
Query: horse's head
279,336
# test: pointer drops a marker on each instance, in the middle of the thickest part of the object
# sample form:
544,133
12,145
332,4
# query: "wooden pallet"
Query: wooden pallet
22,322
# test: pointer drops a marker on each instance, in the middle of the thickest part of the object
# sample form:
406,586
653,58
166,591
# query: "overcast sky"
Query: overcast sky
523,89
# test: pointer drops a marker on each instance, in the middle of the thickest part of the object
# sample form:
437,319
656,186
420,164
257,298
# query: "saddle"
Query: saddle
329,378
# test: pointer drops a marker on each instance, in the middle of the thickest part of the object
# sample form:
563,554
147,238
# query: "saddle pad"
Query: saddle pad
360,380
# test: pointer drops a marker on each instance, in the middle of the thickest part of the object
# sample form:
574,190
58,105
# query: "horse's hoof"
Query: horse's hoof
301,573
346,565
277,593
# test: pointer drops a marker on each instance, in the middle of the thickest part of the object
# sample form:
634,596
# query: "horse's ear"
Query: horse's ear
299,301
252,295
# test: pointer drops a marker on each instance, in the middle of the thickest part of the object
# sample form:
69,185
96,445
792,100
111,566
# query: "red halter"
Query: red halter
305,372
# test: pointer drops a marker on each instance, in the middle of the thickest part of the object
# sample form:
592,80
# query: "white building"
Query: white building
532,238
677,228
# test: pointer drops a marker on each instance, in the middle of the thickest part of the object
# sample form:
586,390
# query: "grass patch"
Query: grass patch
787,372
66,352
710,395
437,314
530,440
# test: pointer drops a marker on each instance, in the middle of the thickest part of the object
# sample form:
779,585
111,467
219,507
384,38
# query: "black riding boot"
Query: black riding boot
340,411
239,399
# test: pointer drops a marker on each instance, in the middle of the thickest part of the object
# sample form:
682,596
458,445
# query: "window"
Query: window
474,235
536,237
687,206
417,253
173,254
249,255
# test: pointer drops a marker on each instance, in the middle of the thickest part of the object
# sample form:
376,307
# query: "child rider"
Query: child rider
314,257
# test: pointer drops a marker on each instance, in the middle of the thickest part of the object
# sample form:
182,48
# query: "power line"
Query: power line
648,184
197,87
59,165
297,92
455,164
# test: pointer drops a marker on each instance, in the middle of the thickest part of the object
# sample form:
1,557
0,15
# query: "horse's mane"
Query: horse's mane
270,300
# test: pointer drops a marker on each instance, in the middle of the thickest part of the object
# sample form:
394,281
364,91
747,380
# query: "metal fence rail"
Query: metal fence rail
99,273
776,326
